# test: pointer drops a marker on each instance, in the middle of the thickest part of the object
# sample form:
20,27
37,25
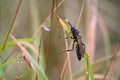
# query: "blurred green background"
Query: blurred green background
105,15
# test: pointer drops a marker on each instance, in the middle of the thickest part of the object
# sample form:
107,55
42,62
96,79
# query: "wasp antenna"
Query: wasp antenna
66,20
61,52
68,23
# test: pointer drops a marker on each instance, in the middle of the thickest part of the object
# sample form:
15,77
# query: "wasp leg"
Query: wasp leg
68,49
65,37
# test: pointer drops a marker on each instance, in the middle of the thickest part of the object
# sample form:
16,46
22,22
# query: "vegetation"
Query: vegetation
31,36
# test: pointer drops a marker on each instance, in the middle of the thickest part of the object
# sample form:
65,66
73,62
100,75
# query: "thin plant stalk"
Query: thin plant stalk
49,35
81,11
11,25
65,75
63,69
58,29
68,58
109,71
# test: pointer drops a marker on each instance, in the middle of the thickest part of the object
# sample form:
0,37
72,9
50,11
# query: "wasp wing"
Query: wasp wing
81,46
78,52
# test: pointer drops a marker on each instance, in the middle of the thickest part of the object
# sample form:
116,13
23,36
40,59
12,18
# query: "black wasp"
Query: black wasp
74,34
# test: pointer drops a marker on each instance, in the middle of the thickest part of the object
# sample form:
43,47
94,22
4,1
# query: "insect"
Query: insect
74,34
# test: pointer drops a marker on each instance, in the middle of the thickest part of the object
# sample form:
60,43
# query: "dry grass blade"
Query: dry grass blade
64,67
11,25
65,75
81,11
58,29
65,28
109,71
48,42
57,7
63,70
69,62
52,11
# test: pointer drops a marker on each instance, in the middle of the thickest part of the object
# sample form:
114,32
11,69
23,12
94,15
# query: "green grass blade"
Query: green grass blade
38,68
88,68
12,43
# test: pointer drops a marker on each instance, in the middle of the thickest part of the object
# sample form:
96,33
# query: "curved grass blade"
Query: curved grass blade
36,68
65,26
12,43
